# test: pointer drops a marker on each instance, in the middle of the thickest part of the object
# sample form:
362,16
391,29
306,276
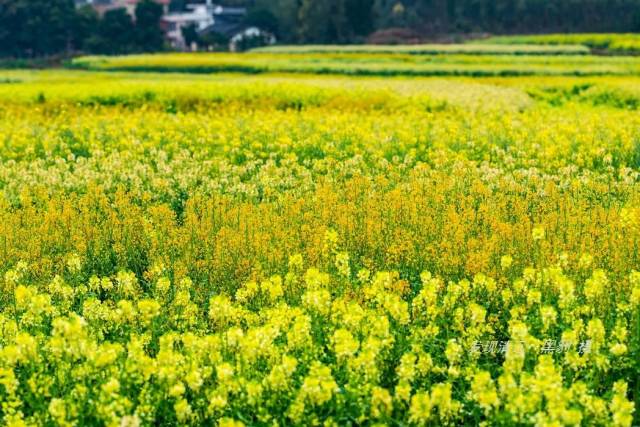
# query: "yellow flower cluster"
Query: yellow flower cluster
318,251
350,352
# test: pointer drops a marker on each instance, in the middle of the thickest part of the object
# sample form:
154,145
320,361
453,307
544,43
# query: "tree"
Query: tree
263,19
30,28
322,21
190,35
149,37
359,16
286,13
85,26
35,27
7,28
177,5
393,13
313,16
116,33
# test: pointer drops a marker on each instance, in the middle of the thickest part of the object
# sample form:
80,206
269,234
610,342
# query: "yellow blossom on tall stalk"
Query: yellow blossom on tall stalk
320,250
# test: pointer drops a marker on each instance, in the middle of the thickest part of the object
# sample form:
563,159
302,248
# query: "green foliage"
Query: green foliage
190,34
115,32
118,34
84,26
34,28
31,28
148,33
337,21
323,21
263,18
37,28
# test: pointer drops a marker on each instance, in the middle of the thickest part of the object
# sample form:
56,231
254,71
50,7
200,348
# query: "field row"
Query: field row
605,43
435,49
189,92
370,64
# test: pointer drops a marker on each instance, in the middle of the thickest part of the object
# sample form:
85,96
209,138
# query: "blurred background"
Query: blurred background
63,28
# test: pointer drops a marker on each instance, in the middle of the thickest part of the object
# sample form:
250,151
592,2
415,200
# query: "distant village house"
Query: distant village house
202,22
210,21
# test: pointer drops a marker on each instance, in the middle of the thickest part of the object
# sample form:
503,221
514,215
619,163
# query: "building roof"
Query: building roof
228,21
229,11
225,27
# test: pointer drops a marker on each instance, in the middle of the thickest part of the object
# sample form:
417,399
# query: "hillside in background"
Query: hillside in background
328,21
36,28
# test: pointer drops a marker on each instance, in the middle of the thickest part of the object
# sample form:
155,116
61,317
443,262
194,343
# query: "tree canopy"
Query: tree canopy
31,28
336,21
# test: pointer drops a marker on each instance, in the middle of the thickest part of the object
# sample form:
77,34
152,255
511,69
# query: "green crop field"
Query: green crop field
612,43
370,64
436,49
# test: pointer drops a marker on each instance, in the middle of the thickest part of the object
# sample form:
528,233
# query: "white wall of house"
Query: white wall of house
199,15
250,32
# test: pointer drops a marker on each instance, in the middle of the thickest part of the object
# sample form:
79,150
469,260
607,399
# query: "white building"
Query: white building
208,19
198,15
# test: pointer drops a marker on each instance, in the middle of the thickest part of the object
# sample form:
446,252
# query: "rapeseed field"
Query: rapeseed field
283,249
